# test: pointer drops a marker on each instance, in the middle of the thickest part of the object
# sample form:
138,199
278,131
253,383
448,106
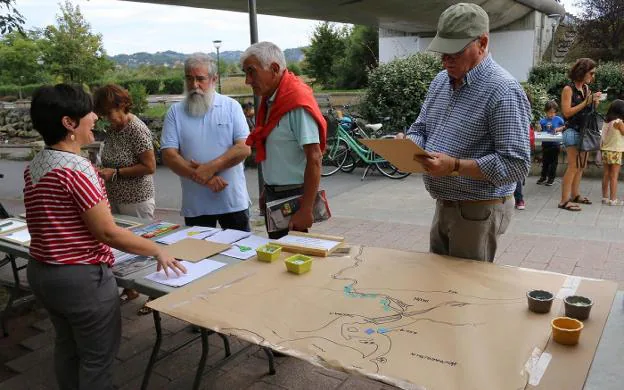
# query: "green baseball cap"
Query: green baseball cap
459,25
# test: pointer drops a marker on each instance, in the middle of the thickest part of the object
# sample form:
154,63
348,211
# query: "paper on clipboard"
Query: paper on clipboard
401,153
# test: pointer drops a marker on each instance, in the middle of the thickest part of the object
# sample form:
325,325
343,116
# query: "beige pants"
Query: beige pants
469,230
139,210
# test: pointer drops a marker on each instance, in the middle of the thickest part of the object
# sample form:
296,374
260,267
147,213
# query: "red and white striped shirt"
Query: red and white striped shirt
60,186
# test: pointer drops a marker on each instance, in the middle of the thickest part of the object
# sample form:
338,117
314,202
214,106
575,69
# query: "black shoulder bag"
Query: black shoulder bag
589,136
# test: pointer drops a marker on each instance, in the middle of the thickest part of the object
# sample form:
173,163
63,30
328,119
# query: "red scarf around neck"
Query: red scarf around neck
292,93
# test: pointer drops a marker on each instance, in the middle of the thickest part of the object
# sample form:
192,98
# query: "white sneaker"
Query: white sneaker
616,202
605,200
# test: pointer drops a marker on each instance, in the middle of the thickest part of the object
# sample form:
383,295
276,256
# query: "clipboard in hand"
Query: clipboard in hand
401,153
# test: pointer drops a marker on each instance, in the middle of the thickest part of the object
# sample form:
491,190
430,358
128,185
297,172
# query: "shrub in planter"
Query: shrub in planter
397,90
553,77
538,97
610,75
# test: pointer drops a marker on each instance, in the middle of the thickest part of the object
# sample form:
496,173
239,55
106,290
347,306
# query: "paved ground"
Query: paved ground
375,212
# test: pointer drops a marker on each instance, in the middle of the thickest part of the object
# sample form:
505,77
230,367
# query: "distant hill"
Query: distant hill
172,58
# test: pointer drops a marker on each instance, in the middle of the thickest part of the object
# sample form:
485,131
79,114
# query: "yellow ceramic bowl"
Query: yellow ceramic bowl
298,264
566,330
268,252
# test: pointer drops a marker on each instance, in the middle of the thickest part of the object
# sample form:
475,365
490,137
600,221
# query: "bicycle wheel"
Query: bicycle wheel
389,170
349,164
334,157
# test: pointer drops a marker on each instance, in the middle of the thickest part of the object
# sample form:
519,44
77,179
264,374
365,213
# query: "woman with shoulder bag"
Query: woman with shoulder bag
576,103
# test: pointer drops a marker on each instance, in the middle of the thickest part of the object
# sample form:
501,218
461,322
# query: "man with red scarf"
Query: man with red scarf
290,132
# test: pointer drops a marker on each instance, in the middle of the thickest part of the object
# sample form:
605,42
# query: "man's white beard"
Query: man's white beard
198,102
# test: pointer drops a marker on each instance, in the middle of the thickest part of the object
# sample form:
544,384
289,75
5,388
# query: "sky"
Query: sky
128,27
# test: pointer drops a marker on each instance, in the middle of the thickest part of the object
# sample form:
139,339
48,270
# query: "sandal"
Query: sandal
582,200
128,295
569,206
145,310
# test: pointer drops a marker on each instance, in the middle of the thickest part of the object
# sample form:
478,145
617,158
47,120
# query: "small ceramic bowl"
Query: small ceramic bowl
577,307
540,301
566,330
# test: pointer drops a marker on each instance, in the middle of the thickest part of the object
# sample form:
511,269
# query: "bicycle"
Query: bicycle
341,147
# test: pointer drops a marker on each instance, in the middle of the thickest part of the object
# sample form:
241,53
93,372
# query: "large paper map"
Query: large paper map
411,319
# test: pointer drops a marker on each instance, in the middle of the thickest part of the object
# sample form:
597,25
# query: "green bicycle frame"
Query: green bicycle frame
364,153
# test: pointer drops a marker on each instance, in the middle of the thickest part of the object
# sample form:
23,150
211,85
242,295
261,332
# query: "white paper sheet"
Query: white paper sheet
196,232
11,224
245,248
21,236
228,236
193,271
309,242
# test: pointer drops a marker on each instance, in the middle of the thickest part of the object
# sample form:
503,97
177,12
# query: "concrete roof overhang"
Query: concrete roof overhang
402,15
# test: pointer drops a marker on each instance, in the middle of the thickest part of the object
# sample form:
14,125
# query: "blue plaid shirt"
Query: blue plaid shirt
487,120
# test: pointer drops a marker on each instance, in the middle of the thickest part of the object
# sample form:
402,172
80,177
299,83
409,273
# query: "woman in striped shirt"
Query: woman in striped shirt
72,230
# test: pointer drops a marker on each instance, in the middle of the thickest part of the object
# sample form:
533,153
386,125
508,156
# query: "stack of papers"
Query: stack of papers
11,224
228,236
21,236
309,242
246,248
193,271
196,232
121,256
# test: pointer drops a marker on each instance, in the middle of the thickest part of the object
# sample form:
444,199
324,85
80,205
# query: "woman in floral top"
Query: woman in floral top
128,160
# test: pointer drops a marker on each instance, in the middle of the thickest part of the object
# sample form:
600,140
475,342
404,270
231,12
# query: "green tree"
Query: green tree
602,28
294,68
223,68
20,59
327,45
360,57
13,20
73,52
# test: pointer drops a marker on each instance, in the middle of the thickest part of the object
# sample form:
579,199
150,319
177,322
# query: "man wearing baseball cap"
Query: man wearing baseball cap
475,124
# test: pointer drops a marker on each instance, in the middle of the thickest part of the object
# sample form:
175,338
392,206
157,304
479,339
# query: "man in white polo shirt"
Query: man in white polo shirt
203,141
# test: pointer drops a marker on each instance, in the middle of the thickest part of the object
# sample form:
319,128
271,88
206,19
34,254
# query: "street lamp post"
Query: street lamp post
553,17
217,45
20,87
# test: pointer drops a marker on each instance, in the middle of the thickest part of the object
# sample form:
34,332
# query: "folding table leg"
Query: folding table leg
202,361
226,344
155,350
269,354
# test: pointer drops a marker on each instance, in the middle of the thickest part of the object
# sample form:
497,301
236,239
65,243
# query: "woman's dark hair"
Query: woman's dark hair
551,105
615,111
51,103
110,97
580,68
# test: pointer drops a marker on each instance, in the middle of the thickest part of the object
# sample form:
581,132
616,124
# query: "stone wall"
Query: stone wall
15,124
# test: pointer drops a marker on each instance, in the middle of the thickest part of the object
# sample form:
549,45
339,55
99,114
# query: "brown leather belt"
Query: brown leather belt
453,203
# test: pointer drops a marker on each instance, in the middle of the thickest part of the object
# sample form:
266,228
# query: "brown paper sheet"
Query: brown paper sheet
416,320
193,250
400,152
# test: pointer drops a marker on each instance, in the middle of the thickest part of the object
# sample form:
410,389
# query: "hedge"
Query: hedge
13,91
398,88
173,86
